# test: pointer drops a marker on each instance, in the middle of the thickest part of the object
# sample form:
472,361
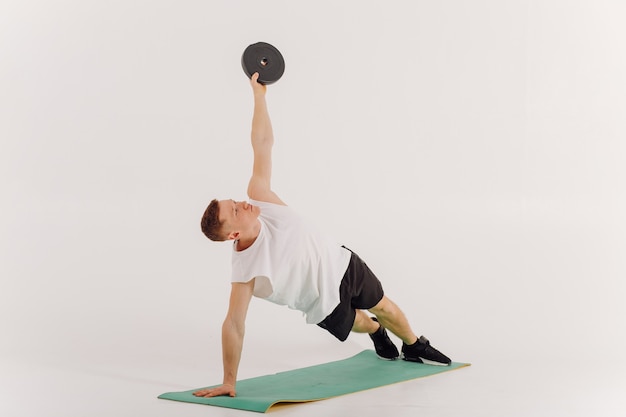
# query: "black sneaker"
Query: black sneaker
385,349
423,350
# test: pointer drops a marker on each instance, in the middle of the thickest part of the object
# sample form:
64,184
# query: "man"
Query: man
277,256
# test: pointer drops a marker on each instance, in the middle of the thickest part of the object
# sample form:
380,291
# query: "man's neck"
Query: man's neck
244,242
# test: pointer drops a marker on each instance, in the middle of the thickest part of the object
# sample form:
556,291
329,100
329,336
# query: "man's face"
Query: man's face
238,216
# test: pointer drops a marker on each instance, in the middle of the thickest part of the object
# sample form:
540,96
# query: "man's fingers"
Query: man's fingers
214,392
205,392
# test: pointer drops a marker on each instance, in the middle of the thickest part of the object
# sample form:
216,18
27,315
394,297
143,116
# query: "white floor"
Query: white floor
121,380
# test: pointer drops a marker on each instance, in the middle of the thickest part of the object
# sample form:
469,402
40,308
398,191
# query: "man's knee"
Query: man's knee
384,306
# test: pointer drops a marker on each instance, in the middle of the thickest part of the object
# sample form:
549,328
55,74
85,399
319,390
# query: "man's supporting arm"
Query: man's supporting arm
233,331
262,135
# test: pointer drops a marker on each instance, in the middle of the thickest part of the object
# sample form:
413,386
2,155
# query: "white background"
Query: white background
473,153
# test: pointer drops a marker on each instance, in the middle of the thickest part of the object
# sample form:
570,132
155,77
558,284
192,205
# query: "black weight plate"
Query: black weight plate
265,59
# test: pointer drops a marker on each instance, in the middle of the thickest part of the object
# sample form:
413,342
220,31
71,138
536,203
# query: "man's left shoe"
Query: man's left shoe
385,349
422,350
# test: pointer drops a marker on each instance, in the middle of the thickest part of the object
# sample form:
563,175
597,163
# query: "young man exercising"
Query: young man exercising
279,257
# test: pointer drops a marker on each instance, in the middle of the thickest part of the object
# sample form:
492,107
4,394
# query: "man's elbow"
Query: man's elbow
233,326
258,189
261,140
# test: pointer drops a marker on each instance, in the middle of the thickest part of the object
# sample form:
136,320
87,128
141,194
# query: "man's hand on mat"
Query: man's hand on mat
217,391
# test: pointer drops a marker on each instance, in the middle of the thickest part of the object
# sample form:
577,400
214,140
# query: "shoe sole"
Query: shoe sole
425,361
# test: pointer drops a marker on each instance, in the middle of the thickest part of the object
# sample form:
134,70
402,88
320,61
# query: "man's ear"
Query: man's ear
233,235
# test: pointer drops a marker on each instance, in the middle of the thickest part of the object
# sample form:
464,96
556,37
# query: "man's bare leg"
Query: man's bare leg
392,318
385,348
363,323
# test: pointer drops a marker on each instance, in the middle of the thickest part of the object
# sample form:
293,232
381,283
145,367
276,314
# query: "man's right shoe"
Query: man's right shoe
423,350
385,349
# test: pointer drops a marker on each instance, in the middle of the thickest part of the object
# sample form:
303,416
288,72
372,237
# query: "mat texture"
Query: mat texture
358,373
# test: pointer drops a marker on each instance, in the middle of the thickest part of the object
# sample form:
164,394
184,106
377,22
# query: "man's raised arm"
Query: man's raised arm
259,187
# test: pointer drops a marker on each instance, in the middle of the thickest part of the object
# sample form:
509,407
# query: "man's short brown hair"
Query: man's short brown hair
210,223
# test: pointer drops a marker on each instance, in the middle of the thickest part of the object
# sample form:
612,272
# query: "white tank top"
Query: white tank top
294,264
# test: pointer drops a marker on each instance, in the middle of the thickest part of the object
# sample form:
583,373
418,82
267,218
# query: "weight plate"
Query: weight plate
265,59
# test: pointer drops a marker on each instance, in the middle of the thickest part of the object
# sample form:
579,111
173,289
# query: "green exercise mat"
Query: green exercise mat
358,373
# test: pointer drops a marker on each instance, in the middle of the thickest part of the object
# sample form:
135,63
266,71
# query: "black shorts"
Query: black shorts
359,289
